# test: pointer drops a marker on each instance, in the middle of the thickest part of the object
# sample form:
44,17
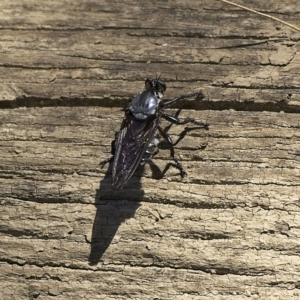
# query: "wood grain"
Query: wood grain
99,53
229,230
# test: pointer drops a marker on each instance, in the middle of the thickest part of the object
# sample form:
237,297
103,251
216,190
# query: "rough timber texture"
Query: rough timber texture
230,230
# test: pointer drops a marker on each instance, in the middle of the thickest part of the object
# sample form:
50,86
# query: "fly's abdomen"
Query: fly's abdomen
152,149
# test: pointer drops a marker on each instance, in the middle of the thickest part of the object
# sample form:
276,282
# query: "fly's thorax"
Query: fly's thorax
144,105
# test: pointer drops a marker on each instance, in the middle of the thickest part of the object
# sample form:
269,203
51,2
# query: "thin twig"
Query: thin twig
259,13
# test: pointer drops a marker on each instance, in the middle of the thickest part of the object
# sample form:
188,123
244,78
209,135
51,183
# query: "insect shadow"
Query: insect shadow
113,207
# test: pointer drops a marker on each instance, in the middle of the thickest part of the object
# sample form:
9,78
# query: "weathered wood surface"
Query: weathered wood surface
96,52
229,230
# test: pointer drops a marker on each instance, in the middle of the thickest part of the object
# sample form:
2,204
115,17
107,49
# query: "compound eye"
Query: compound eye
160,86
149,83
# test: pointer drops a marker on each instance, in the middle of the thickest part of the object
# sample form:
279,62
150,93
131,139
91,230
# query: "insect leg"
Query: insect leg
167,103
169,141
176,121
104,162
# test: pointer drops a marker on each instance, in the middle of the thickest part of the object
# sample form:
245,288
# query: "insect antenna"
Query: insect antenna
159,76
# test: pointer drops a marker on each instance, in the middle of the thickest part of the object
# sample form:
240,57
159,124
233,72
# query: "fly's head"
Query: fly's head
156,85
146,103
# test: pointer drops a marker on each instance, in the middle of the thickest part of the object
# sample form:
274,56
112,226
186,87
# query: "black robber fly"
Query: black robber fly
137,141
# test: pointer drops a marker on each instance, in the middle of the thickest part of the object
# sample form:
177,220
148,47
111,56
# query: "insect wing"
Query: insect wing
133,140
